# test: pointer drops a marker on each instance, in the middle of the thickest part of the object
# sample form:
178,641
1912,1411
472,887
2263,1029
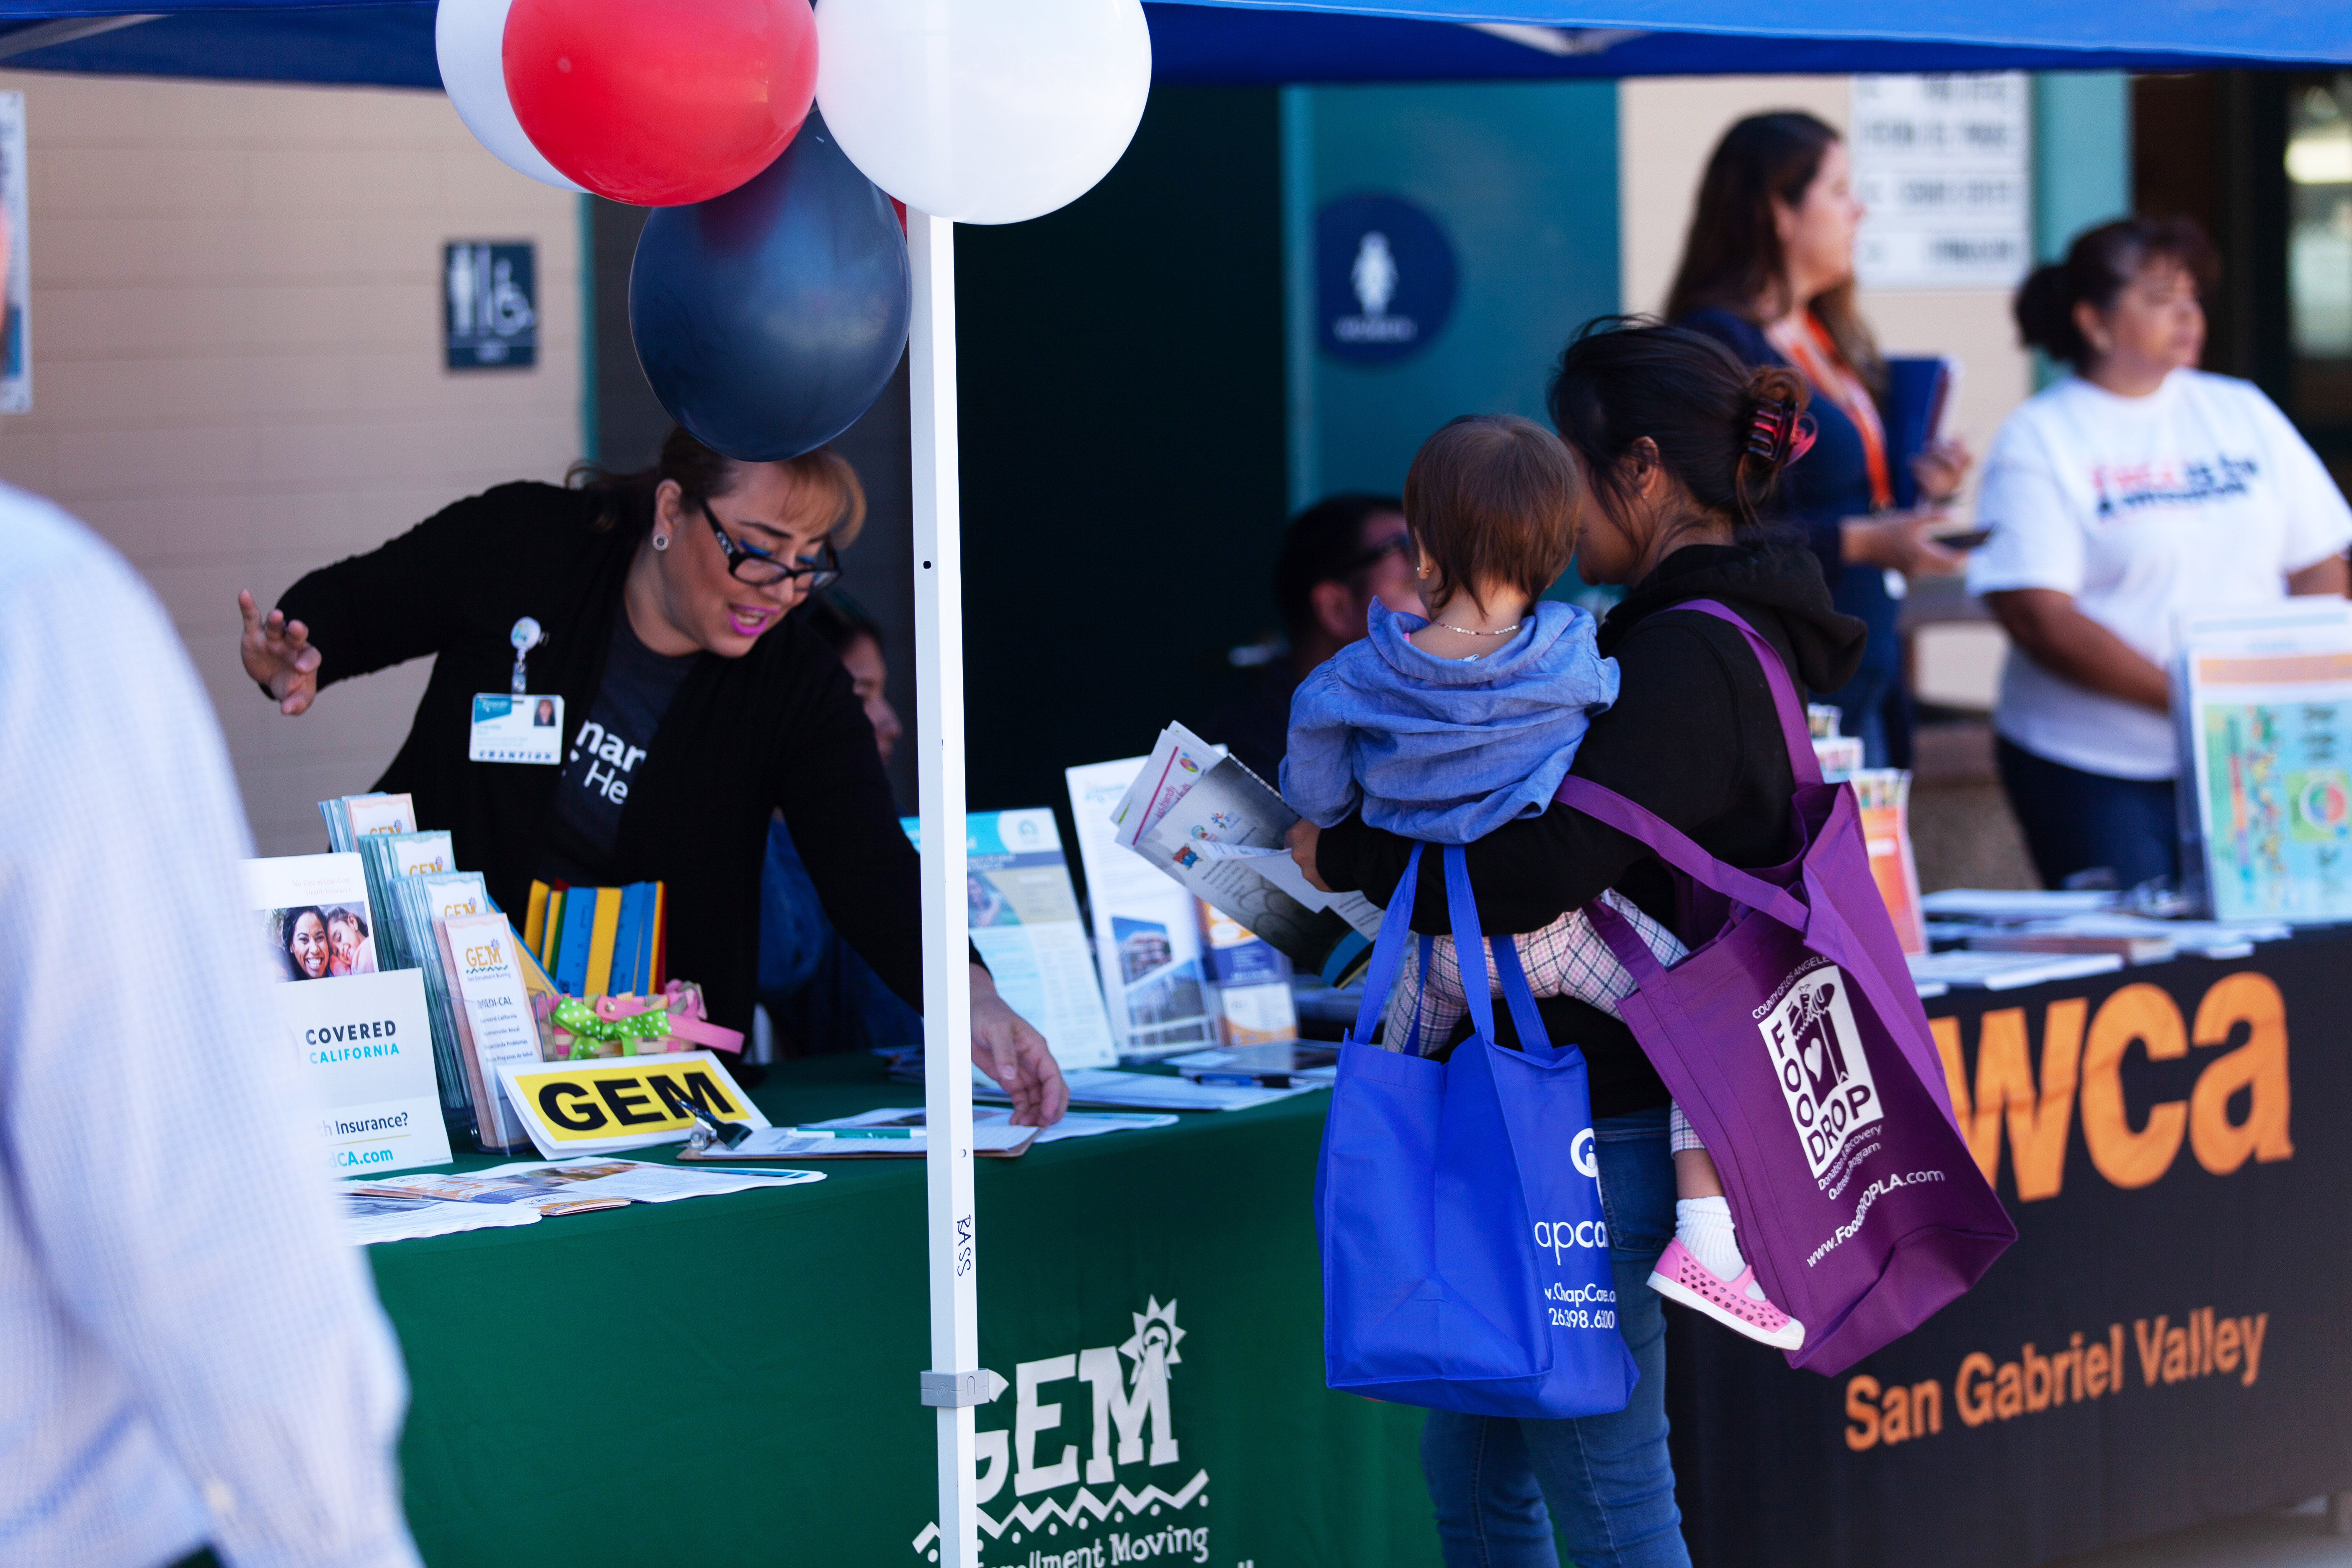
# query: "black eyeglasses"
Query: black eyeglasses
760,569
1392,545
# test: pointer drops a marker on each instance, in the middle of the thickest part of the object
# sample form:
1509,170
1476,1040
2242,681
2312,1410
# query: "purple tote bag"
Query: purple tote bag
1795,1043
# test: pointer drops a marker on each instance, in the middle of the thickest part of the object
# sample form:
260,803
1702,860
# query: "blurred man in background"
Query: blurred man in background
1338,555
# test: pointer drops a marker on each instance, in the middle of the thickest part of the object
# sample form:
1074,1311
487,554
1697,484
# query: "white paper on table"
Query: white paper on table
2017,904
1151,1092
2007,971
771,1143
1076,1124
370,1220
642,1181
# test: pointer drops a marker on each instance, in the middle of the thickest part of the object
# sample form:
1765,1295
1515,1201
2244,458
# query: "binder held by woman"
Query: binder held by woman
1795,1044
1466,1257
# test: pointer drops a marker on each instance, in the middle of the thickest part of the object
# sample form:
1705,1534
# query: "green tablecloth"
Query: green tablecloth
731,1381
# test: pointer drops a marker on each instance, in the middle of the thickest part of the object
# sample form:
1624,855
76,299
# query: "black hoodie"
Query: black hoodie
1692,736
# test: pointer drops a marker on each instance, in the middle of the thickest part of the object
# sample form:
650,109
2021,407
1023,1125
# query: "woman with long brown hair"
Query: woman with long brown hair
1767,271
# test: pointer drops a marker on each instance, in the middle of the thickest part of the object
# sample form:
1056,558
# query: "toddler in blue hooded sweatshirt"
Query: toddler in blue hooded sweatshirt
1443,729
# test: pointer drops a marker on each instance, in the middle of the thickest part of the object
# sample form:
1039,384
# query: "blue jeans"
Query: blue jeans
1607,1479
2077,821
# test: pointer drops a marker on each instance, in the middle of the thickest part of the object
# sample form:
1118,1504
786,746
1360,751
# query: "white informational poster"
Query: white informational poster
498,1021
1147,928
1025,921
15,283
1943,165
367,1053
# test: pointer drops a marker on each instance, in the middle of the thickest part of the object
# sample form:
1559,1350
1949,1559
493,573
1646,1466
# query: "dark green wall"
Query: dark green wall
1121,400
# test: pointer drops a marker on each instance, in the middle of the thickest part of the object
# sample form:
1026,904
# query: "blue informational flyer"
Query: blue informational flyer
1025,921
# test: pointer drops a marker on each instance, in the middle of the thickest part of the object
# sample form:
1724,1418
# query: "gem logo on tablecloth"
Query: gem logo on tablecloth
1088,1509
1817,1057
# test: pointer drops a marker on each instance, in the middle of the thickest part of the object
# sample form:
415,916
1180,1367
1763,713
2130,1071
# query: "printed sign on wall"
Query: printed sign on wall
489,314
1940,162
1385,279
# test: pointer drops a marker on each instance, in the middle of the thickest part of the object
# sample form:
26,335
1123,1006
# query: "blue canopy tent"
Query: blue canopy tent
1258,41
360,43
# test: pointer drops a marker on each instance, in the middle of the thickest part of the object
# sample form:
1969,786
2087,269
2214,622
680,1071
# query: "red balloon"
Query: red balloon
661,102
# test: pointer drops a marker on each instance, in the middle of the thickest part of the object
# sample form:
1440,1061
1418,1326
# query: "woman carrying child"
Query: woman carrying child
1673,445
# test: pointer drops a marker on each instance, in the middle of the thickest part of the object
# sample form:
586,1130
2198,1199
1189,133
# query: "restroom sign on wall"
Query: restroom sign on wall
489,309
1941,162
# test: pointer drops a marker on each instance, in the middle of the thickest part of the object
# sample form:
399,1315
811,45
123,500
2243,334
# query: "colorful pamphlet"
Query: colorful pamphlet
1249,983
2262,701
478,954
1884,797
1146,929
1024,921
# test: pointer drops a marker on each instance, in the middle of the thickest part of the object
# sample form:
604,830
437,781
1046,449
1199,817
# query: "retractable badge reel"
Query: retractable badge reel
518,725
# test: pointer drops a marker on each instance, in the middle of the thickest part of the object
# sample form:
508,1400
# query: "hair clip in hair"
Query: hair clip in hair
1778,433
1802,438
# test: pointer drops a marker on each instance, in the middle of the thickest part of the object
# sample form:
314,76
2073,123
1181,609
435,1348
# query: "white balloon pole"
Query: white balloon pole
947,972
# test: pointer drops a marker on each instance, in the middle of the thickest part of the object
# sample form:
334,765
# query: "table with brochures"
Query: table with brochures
733,1379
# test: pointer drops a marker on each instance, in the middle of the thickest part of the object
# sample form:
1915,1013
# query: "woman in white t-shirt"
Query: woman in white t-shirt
2131,491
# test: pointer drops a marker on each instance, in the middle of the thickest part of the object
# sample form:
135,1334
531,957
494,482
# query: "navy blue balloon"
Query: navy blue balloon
769,319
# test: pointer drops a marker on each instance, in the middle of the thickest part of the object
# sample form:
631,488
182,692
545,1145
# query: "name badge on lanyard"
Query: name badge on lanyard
518,725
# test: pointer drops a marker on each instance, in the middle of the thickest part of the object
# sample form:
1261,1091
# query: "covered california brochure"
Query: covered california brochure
2263,702
1024,921
362,1036
1204,819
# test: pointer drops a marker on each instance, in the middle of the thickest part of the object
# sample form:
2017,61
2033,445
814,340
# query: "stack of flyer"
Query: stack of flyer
352,817
2262,701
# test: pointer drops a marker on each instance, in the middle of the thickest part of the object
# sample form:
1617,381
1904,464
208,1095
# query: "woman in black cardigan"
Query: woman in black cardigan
694,706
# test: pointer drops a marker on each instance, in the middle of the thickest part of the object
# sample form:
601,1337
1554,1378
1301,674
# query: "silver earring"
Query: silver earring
661,542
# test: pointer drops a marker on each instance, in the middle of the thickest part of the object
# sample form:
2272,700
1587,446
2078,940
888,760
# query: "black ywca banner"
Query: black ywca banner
2169,1340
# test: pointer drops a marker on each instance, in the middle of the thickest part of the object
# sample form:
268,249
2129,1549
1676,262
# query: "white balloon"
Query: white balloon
982,110
469,40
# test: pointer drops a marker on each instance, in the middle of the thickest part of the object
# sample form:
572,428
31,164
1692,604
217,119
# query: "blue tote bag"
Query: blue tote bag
1465,1261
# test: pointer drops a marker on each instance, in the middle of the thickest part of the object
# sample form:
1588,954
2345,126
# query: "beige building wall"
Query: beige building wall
238,365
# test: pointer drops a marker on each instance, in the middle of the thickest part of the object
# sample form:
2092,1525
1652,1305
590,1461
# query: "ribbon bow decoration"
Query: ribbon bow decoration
676,1021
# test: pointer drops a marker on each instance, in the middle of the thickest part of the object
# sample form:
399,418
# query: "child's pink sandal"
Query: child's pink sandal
1680,1276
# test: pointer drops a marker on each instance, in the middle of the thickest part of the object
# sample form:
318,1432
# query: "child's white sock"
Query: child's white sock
1705,1227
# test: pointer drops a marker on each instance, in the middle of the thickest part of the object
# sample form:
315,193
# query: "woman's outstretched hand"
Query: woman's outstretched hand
1007,1049
277,653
